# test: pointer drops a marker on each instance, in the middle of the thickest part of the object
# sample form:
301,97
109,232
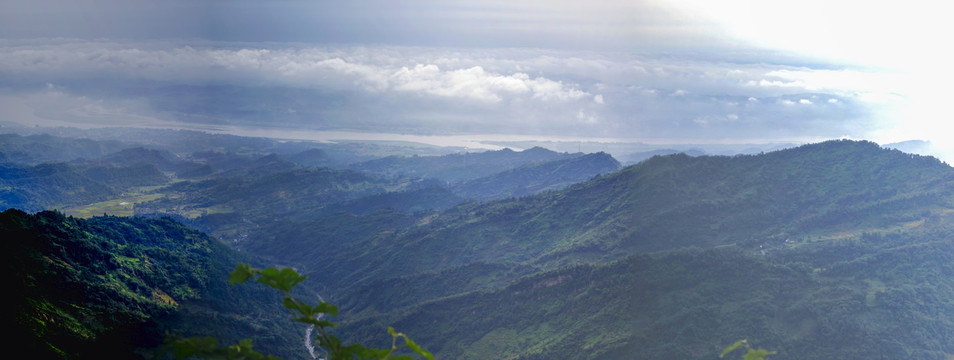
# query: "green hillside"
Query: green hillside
780,232
895,304
793,196
110,287
839,250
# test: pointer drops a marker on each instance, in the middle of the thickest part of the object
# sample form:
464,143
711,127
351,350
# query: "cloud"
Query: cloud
439,90
598,24
335,69
477,84
52,107
708,120
586,118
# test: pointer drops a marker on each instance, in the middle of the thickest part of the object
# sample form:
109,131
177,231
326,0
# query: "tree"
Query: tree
285,280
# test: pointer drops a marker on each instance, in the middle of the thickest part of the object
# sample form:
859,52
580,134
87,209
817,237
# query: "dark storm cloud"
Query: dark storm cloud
564,24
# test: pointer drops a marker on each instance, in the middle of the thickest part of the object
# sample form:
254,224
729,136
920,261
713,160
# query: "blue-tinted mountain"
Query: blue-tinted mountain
459,167
640,156
45,186
537,177
314,158
42,148
837,249
840,249
668,202
162,160
262,191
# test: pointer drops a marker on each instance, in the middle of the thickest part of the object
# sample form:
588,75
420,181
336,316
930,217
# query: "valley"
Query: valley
836,249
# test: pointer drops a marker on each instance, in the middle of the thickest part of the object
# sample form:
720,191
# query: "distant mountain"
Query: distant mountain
460,167
110,287
185,142
80,182
162,160
840,249
640,156
825,250
36,149
537,177
918,147
675,201
126,177
220,161
313,158
755,202
236,201
34,188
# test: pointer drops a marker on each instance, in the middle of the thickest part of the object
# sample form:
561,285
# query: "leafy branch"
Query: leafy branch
285,280
752,354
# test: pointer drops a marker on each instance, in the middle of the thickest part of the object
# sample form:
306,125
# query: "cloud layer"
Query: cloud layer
641,96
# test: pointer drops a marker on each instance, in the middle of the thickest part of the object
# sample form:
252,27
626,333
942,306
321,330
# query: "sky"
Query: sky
652,71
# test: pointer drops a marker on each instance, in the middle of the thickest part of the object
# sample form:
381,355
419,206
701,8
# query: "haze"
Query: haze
683,72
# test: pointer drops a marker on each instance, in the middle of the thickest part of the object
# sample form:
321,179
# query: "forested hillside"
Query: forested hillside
110,287
800,216
665,203
894,302
840,249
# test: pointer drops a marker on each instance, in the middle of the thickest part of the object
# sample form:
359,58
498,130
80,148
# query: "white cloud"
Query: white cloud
335,68
410,89
477,84
586,118
805,102
707,120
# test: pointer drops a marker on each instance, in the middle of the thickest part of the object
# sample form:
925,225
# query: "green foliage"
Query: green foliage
208,348
285,280
106,287
752,354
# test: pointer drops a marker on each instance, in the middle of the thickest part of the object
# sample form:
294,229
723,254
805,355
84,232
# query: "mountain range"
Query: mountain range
839,249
